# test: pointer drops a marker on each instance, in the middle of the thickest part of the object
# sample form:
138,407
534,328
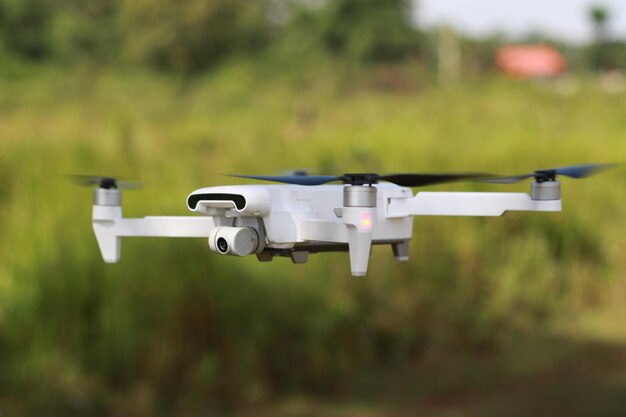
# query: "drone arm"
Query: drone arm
109,227
165,226
467,204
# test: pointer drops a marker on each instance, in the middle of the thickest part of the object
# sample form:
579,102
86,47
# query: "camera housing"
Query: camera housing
234,241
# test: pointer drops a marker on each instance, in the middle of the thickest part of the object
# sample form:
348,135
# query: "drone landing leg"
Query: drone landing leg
401,251
359,223
359,244
104,218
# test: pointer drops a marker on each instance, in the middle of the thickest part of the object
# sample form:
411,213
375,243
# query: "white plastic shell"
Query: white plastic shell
296,220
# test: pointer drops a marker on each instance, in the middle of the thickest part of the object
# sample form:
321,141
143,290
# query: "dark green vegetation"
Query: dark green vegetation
193,35
175,329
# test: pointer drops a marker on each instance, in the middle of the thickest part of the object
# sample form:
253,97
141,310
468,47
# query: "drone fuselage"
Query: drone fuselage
295,215
295,220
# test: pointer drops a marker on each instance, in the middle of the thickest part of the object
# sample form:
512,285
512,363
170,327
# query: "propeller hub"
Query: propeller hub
545,175
360,179
108,183
103,183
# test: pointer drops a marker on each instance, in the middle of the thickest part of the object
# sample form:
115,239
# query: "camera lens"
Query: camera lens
222,245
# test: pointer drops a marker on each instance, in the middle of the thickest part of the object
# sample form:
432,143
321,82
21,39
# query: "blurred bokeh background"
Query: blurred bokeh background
519,315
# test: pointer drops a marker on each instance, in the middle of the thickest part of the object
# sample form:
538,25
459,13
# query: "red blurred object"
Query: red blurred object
530,61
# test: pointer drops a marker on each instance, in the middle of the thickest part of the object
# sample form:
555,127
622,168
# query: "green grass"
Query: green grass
174,328
571,369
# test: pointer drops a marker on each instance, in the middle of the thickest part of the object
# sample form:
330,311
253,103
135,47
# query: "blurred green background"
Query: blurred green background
519,315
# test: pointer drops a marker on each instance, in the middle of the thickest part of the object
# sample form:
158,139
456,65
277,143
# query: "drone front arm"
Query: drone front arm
166,226
466,204
109,227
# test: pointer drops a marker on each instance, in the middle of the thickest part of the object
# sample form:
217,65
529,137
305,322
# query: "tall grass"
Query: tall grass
174,327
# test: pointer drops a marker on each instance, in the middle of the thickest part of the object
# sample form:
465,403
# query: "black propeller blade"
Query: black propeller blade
103,182
573,171
419,180
293,179
404,180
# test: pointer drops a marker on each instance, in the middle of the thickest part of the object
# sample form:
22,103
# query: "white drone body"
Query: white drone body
297,220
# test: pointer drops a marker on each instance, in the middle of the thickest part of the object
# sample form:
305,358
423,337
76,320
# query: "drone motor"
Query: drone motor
546,190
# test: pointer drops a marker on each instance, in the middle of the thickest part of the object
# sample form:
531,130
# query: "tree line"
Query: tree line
193,35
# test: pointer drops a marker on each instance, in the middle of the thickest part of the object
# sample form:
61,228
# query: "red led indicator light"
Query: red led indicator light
366,221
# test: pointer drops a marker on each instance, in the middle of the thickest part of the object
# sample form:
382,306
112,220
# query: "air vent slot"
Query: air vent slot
194,199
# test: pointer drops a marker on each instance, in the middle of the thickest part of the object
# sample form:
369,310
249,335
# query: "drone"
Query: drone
304,214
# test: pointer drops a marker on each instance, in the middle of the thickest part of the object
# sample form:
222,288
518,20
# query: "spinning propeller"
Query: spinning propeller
543,175
103,182
404,180
422,179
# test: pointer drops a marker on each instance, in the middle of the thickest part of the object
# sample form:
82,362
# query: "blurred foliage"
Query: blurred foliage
600,16
193,35
607,56
175,329
604,54
25,27
64,29
369,30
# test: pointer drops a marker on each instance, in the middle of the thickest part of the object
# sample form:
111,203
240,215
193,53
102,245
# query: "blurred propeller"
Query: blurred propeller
542,175
103,182
419,180
404,180
292,179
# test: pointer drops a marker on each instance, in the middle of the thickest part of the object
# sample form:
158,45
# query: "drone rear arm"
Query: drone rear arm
109,227
467,204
